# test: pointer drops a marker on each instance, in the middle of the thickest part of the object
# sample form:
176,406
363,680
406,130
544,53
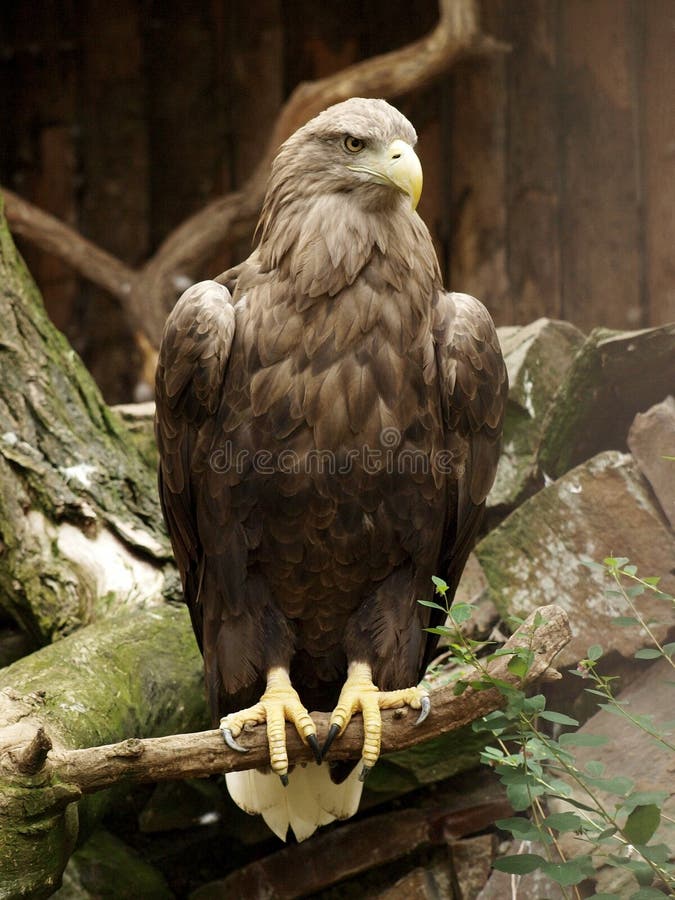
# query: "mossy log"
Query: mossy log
80,529
136,674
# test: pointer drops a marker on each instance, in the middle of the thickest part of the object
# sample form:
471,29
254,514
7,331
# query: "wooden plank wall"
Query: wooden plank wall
563,163
549,170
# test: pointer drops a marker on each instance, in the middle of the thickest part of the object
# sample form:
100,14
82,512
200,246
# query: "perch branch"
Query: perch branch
147,294
204,753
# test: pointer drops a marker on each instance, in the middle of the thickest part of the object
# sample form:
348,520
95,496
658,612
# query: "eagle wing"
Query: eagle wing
474,386
192,361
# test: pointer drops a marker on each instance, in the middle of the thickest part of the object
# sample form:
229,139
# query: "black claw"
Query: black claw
284,780
313,742
333,732
424,711
365,772
230,741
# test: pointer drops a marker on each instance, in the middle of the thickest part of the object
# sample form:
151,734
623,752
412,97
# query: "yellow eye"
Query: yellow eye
353,144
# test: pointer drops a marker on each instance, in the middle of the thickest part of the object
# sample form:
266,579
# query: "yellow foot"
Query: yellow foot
359,693
279,704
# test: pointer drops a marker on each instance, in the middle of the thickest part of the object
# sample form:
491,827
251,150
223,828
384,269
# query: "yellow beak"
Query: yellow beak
403,168
398,166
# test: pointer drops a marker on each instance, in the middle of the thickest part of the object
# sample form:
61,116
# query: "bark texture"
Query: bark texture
80,528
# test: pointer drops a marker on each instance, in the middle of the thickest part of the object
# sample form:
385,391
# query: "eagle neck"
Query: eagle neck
324,246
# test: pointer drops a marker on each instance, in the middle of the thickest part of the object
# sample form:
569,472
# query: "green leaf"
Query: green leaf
657,853
517,666
652,580
534,704
642,823
606,897
520,796
595,768
669,649
615,562
591,564
620,785
558,718
647,653
645,798
568,873
522,864
440,585
625,620
520,828
576,739
635,591
460,612
630,570
432,604
594,652
606,833
564,821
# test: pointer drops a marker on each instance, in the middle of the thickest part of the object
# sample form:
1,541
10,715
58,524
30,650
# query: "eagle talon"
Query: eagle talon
365,772
313,742
333,732
231,743
424,710
284,780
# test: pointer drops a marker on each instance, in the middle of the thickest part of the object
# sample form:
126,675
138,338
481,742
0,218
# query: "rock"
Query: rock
537,357
600,508
534,886
422,883
106,867
651,439
615,375
466,866
472,859
631,753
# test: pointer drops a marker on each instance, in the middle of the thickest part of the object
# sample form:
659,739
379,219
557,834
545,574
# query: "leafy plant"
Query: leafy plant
536,766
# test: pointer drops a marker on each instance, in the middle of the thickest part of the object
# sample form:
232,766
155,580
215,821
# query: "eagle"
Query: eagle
329,422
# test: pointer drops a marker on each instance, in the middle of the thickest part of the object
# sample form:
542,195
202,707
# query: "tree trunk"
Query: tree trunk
81,533
81,541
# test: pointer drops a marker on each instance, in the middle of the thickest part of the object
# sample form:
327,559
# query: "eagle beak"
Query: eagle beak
398,167
403,168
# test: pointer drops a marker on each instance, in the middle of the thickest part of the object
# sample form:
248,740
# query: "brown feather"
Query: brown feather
292,429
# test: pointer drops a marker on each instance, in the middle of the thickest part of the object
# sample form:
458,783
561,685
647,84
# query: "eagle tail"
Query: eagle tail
310,800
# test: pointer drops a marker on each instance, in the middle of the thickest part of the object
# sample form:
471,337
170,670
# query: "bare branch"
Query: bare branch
54,236
204,753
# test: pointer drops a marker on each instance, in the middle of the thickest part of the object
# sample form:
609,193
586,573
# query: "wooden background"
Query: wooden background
549,171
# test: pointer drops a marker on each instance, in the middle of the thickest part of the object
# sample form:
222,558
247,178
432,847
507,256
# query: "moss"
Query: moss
134,675
106,867
54,426
614,376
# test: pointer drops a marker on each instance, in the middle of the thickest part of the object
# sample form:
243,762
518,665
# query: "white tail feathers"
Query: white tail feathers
310,799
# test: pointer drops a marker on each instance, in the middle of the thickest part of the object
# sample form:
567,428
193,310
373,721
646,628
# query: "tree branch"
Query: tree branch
204,753
147,294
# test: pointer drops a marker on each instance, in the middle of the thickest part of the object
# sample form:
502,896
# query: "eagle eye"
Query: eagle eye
353,144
